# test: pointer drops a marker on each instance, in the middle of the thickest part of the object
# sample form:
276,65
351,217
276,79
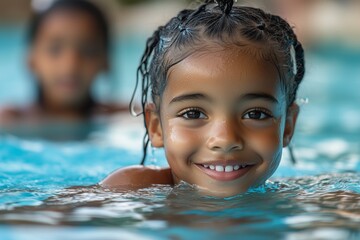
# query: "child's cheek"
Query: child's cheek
267,139
180,143
267,143
178,134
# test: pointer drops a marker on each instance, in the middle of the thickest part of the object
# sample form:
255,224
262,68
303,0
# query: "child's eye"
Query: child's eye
257,115
192,114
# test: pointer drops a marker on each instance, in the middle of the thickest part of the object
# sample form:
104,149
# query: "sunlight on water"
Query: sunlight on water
283,208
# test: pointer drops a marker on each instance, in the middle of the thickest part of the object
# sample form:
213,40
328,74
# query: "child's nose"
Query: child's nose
71,60
225,136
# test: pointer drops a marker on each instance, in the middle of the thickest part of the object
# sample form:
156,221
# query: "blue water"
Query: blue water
318,198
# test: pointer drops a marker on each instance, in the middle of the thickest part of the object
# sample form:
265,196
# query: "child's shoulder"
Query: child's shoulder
10,115
136,177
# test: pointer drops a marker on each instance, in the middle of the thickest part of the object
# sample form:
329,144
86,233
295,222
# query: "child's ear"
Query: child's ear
153,125
291,117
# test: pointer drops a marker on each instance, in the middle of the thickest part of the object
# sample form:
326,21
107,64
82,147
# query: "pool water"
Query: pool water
48,189
39,200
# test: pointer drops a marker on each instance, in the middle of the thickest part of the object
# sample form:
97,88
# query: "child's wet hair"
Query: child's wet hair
73,5
221,23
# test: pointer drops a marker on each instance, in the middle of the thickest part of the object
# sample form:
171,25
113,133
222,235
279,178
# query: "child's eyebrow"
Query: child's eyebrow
264,96
195,96
246,97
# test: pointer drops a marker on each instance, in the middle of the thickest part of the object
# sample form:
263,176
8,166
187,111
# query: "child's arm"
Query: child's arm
9,115
136,177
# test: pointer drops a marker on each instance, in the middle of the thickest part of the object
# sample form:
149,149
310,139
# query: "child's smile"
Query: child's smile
225,170
222,120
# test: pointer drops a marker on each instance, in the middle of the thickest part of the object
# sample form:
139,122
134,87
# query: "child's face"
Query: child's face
223,121
67,55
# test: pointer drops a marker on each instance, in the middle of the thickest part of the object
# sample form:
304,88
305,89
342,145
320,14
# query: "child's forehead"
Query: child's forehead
69,25
227,70
72,18
248,60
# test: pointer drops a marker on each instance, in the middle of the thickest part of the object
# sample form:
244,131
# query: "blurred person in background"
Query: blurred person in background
68,48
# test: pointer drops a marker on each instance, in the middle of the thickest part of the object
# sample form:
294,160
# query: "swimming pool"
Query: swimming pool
317,198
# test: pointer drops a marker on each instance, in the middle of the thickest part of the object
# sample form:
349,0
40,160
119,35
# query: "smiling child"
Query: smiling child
223,81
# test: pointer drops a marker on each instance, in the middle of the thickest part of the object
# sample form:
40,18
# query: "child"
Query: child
69,45
223,81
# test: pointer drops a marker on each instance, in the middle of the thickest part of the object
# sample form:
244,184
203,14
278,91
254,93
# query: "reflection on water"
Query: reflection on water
328,205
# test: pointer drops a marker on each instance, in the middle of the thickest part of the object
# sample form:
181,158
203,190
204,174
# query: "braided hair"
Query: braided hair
221,22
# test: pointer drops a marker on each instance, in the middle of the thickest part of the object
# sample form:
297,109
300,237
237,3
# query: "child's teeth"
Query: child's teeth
219,168
228,168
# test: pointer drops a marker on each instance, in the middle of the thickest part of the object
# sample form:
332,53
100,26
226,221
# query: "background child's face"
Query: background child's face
67,55
224,110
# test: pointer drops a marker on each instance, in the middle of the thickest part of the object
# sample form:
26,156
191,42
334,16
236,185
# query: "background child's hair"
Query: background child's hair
221,22
75,5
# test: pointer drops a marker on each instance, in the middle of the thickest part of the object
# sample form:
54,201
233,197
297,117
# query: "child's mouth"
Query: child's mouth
225,172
